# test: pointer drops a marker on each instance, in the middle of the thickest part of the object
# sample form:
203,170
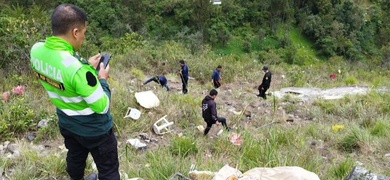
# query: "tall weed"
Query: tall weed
341,169
356,139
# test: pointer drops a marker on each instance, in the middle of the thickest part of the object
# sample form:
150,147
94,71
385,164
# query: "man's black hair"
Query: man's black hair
265,68
182,61
66,17
213,92
219,66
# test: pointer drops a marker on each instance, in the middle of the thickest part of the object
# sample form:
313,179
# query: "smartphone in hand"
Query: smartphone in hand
105,59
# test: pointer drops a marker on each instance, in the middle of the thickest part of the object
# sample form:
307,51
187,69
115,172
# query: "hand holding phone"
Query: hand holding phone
105,59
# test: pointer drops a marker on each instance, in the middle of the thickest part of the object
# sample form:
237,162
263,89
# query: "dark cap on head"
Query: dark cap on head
213,92
219,66
265,68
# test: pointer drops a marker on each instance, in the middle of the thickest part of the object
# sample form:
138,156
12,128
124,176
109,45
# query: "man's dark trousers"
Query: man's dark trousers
216,84
103,149
262,91
184,83
210,123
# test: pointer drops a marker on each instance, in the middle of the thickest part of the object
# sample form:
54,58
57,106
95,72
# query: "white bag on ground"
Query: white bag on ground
226,172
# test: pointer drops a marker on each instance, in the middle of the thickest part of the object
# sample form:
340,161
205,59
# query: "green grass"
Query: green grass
235,45
305,48
268,141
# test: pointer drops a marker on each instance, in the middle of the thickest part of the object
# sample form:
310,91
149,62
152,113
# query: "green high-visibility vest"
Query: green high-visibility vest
82,100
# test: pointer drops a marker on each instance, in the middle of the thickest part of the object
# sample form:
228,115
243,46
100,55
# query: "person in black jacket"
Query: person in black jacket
209,112
264,86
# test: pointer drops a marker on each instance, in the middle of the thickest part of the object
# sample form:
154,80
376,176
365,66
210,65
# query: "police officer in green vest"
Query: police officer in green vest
80,93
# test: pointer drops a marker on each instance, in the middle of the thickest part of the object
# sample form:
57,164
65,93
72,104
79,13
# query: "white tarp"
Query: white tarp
279,173
261,173
225,172
147,99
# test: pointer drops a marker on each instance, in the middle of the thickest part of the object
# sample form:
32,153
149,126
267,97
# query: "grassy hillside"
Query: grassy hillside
305,48
268,140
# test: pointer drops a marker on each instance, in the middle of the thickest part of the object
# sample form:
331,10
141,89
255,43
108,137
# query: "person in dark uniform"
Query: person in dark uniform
265,84
209,112
184,76
216,76
159,79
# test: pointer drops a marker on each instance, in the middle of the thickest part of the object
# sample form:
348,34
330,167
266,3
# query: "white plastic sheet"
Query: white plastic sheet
147,99
279,173
226,172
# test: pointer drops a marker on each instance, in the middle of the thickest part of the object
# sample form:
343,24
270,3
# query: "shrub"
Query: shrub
137,73
183,146
251,153
380,128
356,139
350,80
15,117
340,170
327,106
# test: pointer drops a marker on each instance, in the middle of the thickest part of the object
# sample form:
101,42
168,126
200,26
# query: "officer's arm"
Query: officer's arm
213,109
149,80
95,92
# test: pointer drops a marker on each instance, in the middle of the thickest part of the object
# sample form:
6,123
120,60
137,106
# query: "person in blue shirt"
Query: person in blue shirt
216,76
184,76
160,79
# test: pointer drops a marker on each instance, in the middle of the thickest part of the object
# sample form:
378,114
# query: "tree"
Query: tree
18,32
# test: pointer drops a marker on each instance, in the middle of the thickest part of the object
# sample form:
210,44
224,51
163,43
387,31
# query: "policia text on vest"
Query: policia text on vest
51,71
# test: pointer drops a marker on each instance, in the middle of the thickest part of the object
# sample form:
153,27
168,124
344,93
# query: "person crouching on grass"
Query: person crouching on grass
209,112
159,79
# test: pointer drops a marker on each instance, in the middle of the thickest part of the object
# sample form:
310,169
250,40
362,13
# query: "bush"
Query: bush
356,139
380,128
18,32
343,168
183,146
328,107
350,80
15,117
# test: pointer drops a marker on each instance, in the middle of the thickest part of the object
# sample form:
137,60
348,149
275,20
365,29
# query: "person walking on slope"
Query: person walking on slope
159,79
216,76
265,84
209,112
80,93
184,76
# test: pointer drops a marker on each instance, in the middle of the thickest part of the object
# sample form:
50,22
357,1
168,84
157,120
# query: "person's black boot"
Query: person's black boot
264,97
206,131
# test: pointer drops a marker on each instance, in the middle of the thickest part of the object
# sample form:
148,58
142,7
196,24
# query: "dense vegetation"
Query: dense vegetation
354,29
305,40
